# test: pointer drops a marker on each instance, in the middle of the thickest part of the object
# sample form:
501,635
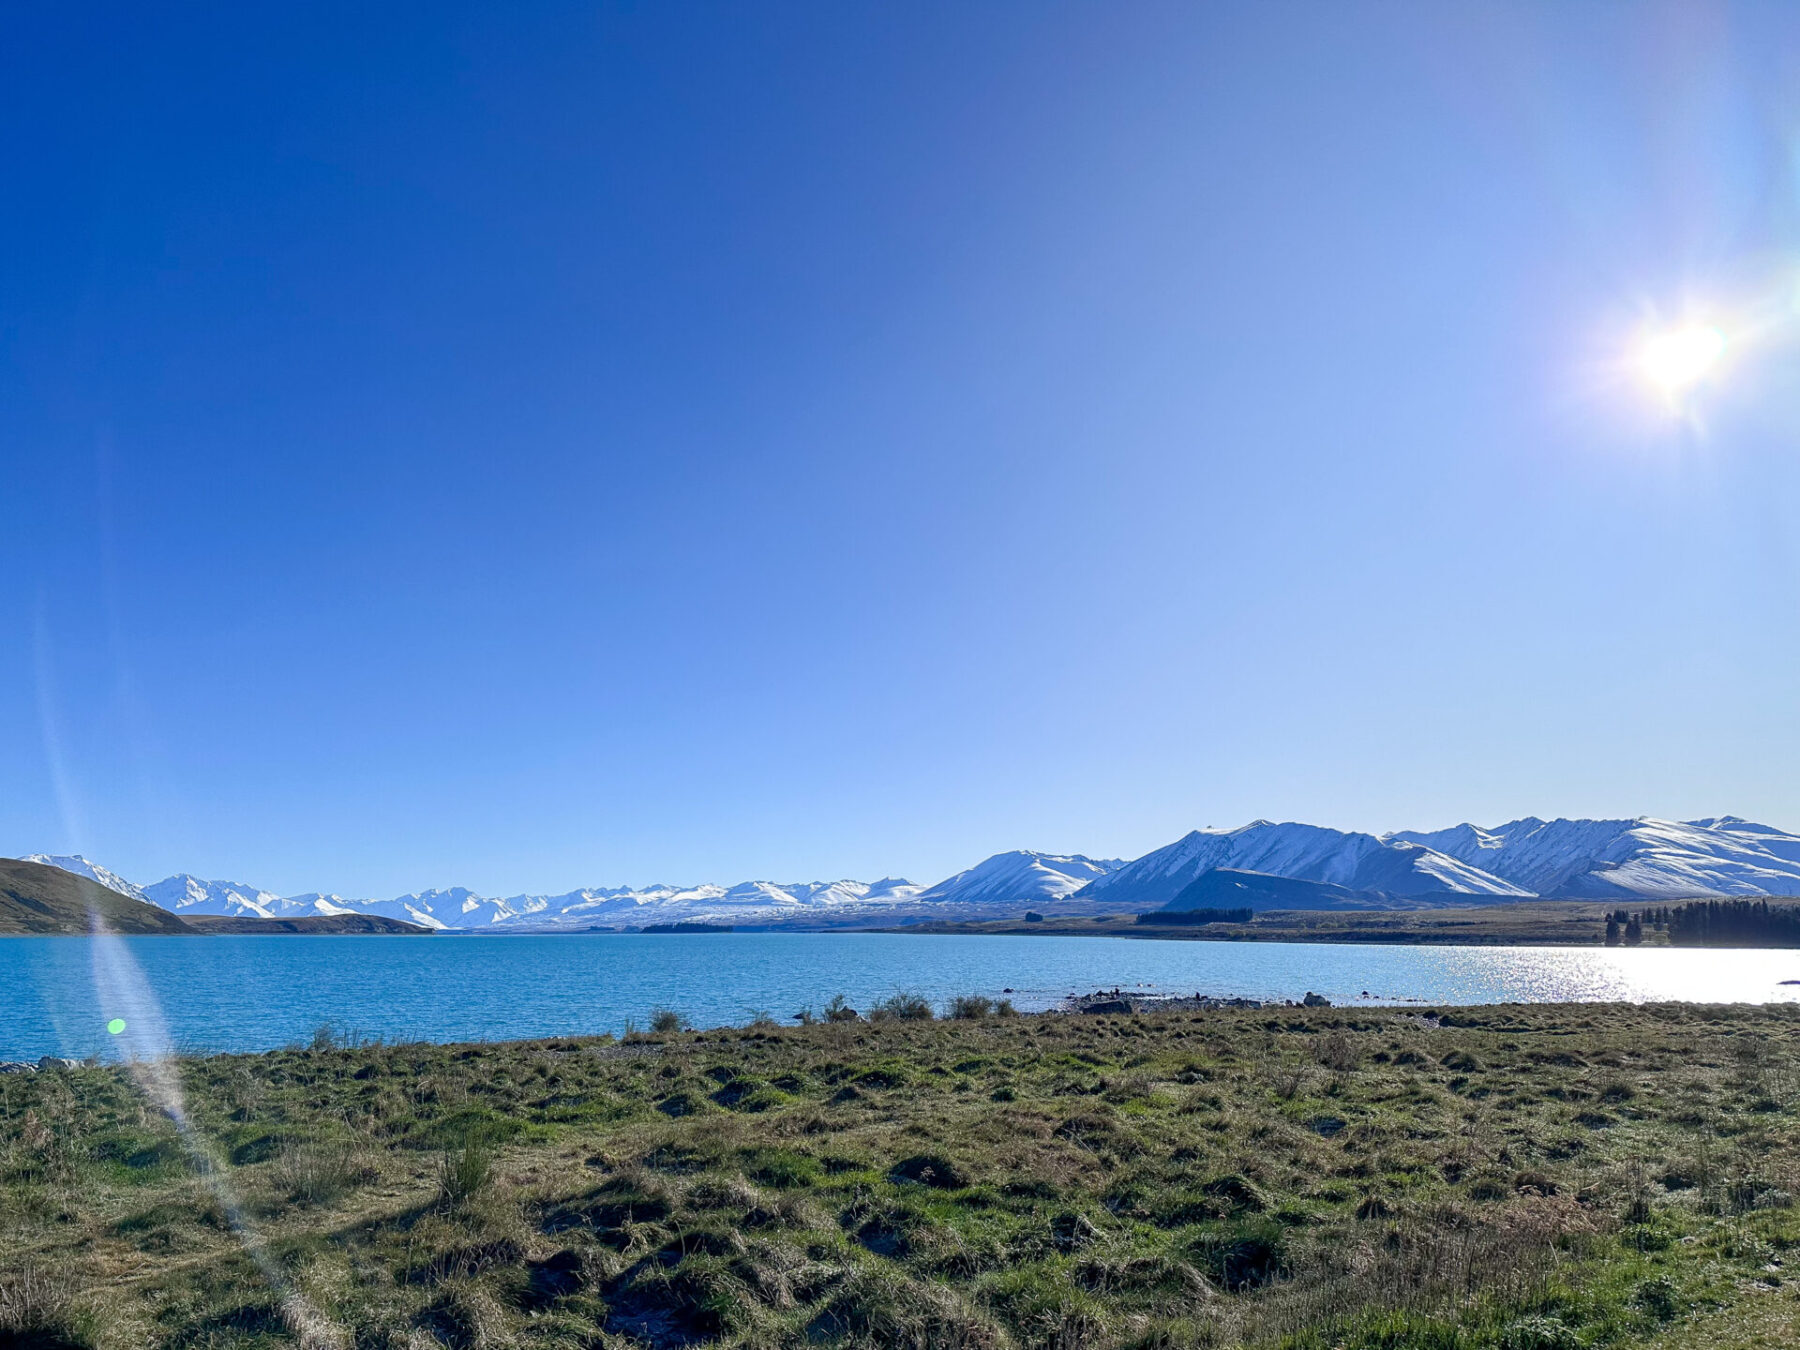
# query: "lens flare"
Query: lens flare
1677,361
150,1059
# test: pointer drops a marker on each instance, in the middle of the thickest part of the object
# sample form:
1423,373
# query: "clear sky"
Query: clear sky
526,446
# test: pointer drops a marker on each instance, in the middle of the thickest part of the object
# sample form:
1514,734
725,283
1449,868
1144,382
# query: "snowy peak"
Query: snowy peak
747,902
1642,857
81,867
1358,862
186,894
1021,876
623,906
315,903
453,907
1647,856
1766,837
891,888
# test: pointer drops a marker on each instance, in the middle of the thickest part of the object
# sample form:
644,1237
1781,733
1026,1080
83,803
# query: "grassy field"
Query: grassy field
1525,1178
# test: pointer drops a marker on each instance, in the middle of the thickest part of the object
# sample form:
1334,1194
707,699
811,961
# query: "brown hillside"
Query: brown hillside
314,924
37,898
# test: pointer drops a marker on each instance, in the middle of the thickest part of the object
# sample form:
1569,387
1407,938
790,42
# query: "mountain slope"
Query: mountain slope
184,894
315,904
42,898
307,925
81,867
1229,888
1645,857
1358,862
1600,859
1021,876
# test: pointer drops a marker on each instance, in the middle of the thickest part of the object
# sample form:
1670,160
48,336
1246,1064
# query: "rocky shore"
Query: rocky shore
1121,1001
46,1063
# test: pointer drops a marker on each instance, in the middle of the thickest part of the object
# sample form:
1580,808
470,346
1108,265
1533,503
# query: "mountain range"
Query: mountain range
1641,858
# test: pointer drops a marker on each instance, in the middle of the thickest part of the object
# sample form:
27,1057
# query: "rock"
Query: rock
57,1062
1313,1000
1111,1005
13,1066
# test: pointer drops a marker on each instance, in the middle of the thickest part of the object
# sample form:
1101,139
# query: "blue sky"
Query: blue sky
540,445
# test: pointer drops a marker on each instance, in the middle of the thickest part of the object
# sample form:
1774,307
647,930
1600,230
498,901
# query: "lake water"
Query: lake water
57,995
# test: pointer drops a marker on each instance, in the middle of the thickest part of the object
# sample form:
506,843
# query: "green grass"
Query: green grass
1522,1178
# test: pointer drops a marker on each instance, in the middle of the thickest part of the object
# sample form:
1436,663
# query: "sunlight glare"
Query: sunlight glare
1678,360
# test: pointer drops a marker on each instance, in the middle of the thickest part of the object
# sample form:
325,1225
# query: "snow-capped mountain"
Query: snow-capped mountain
1228,888
81,867
1358,862
747,902
1720,855
186,894
1019,877
1644,857
299,906
1766,837
455,907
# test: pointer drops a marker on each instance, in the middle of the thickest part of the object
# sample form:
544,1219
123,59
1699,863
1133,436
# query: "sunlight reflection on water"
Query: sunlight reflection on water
253,993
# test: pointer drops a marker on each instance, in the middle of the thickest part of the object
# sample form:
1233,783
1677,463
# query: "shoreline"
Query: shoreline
1521,924
1529,923
1071,1008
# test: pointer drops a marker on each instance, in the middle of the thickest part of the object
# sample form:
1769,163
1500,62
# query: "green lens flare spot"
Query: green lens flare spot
116,1026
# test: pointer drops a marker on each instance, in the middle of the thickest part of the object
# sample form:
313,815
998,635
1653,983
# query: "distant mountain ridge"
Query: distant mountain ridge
1353,861
1644,857
185,894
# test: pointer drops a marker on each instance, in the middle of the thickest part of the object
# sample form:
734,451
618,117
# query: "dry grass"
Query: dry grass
1311,1179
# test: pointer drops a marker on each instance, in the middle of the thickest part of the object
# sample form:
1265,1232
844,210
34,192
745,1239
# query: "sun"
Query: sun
1678,360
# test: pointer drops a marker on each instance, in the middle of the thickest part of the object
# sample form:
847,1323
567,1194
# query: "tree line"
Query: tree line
1708,923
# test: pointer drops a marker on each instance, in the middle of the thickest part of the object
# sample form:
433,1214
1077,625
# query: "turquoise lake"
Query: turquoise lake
255,993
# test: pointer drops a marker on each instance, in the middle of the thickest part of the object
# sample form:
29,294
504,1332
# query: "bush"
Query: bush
839,1010
666,1021
965,1007
901,1007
